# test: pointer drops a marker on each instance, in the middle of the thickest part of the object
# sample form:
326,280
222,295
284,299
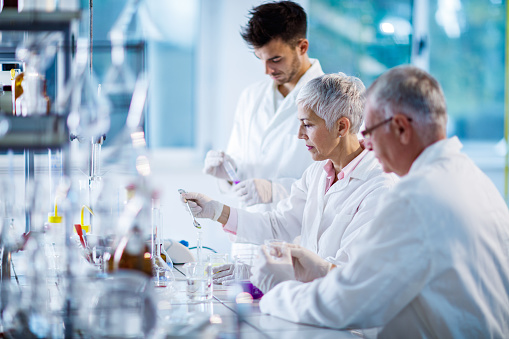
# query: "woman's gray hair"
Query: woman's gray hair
413,92
333,96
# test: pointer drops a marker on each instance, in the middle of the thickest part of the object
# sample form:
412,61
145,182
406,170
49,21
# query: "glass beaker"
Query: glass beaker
199,281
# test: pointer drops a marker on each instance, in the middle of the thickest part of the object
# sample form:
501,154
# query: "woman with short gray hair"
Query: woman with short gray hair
332,96
335,197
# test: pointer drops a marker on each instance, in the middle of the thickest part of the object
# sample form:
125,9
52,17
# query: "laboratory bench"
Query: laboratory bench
253,323
220,317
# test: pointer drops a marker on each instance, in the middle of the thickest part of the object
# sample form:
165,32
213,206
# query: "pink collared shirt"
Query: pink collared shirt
329,169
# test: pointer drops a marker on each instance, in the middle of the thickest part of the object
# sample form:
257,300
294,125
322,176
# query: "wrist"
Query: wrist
225,215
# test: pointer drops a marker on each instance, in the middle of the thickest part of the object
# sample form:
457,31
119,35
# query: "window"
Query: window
466,51
362,38
163,46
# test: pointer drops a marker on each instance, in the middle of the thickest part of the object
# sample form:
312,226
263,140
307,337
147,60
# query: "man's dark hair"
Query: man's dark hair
285,19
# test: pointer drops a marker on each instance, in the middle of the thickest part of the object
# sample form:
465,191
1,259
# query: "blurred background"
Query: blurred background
197,66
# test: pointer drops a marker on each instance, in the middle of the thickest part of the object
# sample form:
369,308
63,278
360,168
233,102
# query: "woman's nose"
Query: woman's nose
301,134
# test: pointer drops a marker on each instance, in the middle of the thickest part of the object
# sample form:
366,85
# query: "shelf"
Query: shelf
34,132
10,19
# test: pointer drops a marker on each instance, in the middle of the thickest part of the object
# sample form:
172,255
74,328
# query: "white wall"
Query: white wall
226,65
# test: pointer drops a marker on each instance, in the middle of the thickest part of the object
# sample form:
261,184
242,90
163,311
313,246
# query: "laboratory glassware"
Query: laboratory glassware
38,51
276,247
124,306
133,251
88,112
163,274
195,223
198,227
199,280
119,81
232,173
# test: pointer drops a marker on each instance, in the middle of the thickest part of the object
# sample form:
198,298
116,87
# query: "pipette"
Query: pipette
195,223
231,171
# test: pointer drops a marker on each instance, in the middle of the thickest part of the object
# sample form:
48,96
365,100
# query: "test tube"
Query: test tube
231,172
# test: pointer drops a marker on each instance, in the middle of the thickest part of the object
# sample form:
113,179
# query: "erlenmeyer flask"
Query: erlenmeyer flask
88,112
119,82
129,23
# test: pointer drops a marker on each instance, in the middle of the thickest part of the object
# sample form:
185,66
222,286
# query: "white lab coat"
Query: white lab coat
326,222
434,263
264,142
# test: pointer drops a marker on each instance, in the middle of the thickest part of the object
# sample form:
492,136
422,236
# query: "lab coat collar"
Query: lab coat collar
361,172
440,149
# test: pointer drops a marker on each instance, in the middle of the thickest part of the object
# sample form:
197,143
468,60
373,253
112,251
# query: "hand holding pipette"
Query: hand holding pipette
195,223
201,206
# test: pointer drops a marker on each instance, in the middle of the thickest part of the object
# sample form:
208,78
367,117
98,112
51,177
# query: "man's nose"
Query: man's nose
368,145
268,70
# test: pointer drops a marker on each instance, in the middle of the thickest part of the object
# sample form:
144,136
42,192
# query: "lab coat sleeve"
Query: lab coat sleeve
363,218
284,223
390,263
281,188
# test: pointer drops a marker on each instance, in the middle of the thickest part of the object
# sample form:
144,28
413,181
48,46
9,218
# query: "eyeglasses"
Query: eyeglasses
367,132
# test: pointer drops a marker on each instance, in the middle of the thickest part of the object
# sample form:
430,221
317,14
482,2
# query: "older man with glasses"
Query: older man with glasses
435,261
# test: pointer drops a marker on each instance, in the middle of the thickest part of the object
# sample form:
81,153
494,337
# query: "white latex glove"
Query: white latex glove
254,191
267,272
214,164
308,265
202,206
229,273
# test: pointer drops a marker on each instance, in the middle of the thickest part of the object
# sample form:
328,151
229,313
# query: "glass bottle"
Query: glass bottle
132,251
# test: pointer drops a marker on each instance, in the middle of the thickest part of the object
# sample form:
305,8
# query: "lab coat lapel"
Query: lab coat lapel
267,103
277,123
320,206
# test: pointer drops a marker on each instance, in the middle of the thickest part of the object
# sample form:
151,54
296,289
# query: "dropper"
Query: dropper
195,223
198,226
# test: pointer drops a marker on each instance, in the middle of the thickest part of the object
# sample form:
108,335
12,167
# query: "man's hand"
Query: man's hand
267,272
214,161
308,265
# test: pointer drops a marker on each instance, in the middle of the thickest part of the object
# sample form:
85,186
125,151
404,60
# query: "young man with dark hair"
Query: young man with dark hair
264,148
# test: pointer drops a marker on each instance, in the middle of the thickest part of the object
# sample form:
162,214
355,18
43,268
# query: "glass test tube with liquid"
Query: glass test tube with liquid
231,172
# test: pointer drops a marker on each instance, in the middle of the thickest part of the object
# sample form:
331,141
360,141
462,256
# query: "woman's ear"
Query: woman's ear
343,126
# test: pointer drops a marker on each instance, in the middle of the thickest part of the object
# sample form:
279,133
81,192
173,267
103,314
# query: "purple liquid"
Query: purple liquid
248,287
